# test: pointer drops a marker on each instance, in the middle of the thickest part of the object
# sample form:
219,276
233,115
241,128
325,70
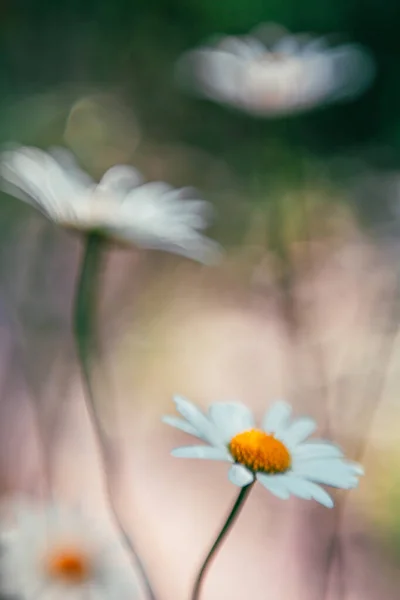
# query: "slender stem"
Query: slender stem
84,311
234,513
376,388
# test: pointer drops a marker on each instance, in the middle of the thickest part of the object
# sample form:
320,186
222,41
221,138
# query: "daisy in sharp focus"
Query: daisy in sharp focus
49,552
278,454
151,215
271,75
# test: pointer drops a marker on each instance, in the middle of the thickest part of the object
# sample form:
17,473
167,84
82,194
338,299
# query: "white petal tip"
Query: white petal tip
175,453
178,399
211,255
359,470
326,501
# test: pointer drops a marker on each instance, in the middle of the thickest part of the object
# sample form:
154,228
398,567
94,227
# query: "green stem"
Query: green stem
84,317
234,513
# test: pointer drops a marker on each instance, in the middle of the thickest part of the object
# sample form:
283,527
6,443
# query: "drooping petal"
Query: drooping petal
273,485
198,248
240,476
205,452
154,216
22,177
231,418
37,177
305,489
334,472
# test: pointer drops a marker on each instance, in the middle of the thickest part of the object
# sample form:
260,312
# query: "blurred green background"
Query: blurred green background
56,53
130,48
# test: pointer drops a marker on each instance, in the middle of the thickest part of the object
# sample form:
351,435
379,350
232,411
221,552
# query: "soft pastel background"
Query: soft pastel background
312,198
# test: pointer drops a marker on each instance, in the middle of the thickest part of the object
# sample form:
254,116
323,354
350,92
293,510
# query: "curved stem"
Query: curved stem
234,513
85,305
375,387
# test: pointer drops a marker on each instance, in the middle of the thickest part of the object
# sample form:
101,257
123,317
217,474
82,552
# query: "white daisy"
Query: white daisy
52,553
151,215
278,454
289,75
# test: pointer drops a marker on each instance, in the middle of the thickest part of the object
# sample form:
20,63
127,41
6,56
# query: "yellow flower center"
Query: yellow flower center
69,565
259,451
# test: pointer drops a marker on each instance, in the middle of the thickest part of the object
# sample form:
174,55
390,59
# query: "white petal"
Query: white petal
192,245
298,431
317,449
231,418
120,179
148,198
334,472
206,452
274,485
245,47
317,46
353,69
155,216
277,417
356,468
306,489
67,161
288,45
199,421
38,178
195,247
240,476
23,177
182,425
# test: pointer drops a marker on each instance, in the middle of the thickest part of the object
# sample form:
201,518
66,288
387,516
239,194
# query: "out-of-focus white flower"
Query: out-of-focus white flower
290,75
151,215
277,454
49,552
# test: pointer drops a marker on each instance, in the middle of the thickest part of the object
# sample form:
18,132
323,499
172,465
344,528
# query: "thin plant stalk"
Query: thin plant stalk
84,317
234,513
377,385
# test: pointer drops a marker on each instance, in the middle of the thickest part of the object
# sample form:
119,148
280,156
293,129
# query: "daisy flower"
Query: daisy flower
278,454
151,215
49,552
287,75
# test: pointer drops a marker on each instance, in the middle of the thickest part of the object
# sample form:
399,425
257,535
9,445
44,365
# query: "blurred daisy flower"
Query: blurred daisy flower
151,215
278,454
50,552
271,72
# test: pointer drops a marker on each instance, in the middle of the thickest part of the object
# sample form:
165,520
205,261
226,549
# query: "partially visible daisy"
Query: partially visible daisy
278,454
49,552
151,215
286,75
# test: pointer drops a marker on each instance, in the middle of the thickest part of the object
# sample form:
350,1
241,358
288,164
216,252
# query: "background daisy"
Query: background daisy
50,551
151,215
271,76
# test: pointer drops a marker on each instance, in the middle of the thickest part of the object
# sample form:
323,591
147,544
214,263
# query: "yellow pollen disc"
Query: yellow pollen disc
69,565
259,451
